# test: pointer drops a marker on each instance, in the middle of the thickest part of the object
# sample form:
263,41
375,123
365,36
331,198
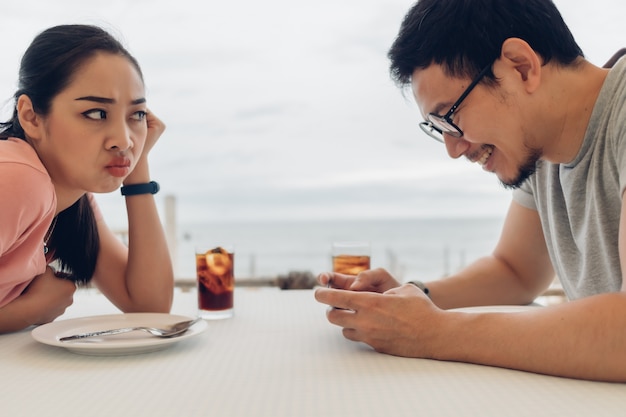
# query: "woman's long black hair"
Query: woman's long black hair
47,67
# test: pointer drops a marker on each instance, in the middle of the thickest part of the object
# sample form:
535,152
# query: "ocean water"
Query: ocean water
410,249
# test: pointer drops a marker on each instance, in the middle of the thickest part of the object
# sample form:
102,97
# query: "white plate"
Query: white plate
497,309
122,344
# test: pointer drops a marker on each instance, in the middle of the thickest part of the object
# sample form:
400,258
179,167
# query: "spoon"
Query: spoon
173,330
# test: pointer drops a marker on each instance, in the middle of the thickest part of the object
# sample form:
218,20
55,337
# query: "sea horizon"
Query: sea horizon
410,248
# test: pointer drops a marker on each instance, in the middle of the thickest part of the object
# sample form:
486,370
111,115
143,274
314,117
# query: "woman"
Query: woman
80,126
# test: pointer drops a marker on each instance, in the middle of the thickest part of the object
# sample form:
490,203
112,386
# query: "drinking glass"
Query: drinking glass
216,281
350,258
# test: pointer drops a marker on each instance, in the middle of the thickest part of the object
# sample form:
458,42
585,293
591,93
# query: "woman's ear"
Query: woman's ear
30,121
517,55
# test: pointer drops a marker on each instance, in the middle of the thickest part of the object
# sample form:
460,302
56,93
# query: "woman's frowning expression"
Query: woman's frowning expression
96,128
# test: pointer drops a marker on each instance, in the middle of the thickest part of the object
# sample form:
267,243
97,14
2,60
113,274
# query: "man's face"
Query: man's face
494,132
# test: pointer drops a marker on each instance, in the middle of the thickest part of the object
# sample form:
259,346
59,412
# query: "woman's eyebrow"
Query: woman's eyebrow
105,100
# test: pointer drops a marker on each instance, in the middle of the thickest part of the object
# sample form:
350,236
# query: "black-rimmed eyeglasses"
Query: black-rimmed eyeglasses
436,125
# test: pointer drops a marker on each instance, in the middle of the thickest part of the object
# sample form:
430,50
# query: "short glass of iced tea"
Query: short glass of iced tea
350,258
216,281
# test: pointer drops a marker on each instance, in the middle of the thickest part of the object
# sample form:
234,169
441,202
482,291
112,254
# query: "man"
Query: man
504,84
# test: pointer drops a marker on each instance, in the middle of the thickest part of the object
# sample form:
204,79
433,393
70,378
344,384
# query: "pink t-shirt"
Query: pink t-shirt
27,206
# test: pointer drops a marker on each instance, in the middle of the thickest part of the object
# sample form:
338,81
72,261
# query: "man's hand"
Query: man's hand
375,280
401,321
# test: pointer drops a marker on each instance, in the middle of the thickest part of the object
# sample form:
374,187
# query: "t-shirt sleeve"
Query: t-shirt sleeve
27,206
617,135
26,202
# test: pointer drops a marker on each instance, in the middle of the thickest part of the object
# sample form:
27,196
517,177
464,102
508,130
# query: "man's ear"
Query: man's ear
517,55
30,121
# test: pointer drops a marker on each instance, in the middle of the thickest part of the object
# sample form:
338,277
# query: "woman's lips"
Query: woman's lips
119,167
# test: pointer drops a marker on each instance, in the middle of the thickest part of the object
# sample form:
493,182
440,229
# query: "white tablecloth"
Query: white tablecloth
277,357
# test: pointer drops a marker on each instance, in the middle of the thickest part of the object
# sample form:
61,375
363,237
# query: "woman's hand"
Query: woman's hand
141,173
48,296
155,129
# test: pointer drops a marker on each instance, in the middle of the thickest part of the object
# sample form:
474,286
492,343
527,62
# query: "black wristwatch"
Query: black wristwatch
151,187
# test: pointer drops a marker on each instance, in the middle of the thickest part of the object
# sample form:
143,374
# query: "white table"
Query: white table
277,357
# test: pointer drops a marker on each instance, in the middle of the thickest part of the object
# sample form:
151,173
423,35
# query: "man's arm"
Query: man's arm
579,339
517,272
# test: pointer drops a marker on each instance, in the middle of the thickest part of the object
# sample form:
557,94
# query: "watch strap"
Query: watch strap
151,187
421,286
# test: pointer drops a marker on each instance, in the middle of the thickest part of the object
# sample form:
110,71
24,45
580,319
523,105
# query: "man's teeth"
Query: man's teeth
485,156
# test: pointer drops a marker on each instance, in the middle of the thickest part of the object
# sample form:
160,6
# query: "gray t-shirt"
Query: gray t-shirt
579,203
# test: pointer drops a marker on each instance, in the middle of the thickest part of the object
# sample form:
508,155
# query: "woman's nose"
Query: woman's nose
120,137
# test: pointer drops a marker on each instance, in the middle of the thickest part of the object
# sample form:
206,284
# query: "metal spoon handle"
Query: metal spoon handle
99,333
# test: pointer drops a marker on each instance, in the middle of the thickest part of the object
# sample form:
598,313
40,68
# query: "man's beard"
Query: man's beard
527,169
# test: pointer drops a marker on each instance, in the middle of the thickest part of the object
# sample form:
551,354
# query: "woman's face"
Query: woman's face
96,128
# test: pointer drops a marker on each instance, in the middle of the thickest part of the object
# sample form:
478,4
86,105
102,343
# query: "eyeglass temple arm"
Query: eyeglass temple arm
615,58
469,88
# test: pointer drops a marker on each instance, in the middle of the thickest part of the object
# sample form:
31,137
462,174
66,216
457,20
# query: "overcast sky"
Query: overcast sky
283,109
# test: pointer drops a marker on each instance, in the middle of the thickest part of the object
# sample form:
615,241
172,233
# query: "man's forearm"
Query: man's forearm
582,339
487,281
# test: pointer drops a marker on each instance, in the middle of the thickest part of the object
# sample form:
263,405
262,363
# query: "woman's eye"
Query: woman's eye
139,115
95,114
